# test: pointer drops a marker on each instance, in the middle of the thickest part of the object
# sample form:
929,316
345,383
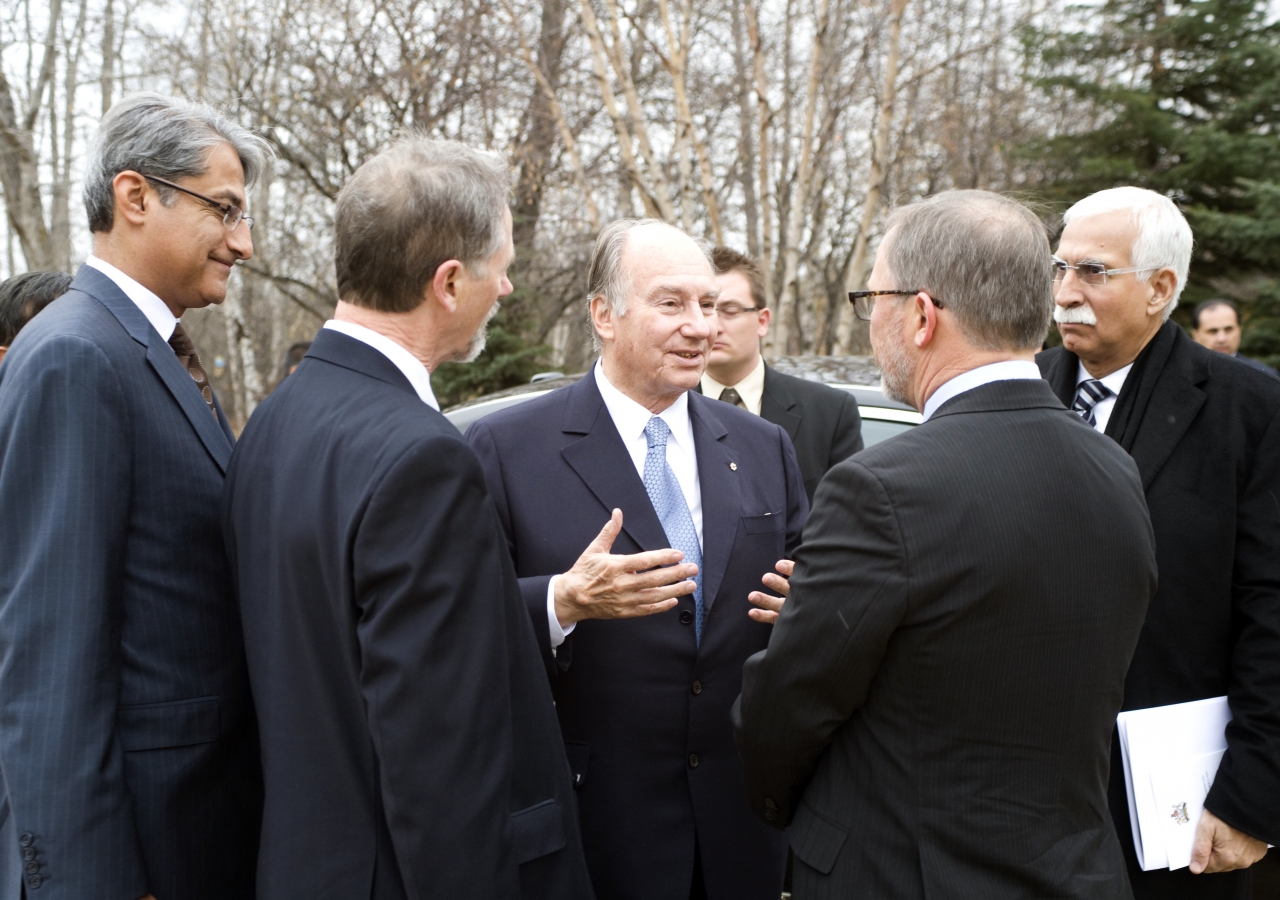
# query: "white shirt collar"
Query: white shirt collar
630,418
1007,370
403,360
1114,381
750,389
157,313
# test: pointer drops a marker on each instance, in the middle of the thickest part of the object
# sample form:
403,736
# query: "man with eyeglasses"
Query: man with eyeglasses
129,755
822,422
1204,430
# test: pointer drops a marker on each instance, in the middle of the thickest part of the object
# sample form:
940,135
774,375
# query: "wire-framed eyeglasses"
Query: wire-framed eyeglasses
232,215
733,310
1094,273
865,301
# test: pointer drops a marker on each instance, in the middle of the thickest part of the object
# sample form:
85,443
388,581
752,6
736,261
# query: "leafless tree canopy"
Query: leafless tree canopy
785,128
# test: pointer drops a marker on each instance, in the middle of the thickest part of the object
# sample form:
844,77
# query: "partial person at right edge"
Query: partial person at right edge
933,713
1204,430
822,422
410,744
1216,324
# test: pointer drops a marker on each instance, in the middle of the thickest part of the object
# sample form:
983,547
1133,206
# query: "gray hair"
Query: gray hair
607,277
1164,238
164,137
987,257
413,207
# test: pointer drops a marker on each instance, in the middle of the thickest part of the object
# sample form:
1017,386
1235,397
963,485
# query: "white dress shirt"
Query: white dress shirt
750,389
401,358
155,309
630,418
1008,370
1102,409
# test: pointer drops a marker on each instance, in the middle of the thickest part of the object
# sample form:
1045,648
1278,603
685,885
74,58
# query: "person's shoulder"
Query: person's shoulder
736,420
1259,366
541,414
1230,381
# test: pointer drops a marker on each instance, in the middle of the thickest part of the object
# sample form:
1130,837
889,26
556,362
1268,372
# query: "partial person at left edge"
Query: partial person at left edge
22,297
128,742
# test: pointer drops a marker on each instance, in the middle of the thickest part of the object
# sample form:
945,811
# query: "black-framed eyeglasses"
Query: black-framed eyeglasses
232,215
733,310
865,301
1094,273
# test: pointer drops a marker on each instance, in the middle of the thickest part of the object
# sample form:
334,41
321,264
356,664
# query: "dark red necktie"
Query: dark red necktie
186,349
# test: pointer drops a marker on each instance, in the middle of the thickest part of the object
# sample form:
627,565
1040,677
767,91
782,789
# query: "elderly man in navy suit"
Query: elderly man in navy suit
650,624
128,745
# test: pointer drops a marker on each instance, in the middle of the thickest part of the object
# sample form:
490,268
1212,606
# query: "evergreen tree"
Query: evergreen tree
1183,98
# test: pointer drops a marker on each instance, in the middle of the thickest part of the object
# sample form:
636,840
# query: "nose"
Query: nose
698,325
1068,291
240,240
506,287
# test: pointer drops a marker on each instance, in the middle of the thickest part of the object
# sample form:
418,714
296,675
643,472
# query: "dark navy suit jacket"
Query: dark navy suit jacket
128,748
409,741
645,712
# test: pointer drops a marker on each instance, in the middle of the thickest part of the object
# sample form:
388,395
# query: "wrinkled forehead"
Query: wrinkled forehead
661,255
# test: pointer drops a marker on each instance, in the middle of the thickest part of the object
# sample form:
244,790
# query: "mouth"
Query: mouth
692,356
223,262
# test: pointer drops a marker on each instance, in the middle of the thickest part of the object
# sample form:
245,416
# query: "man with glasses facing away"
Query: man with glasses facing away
1204,430
822,422
128,742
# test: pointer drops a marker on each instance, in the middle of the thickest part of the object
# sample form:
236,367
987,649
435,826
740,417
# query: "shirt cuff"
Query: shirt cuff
558,634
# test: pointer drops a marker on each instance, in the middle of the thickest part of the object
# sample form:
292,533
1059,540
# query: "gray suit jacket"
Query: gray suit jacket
128,743
934,710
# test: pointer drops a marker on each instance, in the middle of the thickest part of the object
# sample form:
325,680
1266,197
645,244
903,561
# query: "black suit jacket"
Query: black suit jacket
644,710
409,741
822,422
128,749
934,710
1204,430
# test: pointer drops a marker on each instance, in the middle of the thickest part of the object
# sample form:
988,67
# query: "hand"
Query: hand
148,897
771,606
1221,848
603,586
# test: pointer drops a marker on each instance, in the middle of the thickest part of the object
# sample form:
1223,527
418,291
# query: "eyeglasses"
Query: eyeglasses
232,215
865,301
1094,273
733,310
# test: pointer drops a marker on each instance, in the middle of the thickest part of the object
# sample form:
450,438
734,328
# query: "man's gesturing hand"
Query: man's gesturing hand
1221,848
770,606
603,586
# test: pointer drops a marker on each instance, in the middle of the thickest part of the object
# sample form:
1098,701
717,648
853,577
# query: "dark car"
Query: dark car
882,418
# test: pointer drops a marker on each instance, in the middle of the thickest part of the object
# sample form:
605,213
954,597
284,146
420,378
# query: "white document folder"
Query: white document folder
1171,754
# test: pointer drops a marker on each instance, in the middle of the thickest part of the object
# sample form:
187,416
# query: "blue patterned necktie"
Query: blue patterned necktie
673,512
1088,395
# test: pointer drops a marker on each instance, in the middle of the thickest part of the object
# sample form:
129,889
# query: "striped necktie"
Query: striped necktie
1088,395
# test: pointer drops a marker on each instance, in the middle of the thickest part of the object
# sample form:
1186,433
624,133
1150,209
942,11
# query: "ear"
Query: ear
130,191
924,316
1163,284
446,283
602,317
766,315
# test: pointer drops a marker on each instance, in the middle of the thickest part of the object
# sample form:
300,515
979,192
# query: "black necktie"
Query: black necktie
1088,395
729,395
186,349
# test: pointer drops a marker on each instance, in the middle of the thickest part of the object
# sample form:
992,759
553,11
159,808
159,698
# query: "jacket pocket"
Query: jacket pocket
178,723
816,839
769,523
578,753
536,831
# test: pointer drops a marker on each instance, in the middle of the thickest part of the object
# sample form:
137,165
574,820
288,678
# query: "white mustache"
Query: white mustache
1075,315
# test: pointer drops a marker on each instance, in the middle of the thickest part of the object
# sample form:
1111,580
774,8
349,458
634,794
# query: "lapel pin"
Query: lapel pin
733,466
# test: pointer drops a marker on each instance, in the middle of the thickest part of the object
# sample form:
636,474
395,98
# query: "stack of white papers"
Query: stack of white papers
1171,754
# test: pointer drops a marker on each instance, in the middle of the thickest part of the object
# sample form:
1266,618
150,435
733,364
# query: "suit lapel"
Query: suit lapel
778,406
602,462
721,495
1175,401
1059,367
162,360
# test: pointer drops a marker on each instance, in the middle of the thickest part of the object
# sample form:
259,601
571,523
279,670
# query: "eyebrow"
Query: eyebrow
229,196
681,292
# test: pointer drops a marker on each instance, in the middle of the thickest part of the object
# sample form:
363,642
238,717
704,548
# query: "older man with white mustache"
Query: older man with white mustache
1204,430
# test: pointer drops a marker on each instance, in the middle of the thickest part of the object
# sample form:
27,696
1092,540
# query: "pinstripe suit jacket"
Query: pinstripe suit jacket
128,746
934,711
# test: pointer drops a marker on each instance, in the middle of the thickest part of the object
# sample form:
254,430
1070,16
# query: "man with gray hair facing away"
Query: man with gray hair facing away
409,741
128,747
1204,430
933,714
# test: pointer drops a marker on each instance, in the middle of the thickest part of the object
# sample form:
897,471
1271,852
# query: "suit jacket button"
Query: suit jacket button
771,815
26,840
693,760
32,868
769,804
29,853
697,687
686,617
33,881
